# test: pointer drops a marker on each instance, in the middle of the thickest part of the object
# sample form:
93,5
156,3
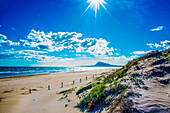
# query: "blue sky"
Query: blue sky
64,33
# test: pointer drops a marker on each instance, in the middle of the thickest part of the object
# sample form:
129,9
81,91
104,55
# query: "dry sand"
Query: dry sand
15,96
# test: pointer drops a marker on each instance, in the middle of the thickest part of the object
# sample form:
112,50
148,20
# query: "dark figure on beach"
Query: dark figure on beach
86,77
80,80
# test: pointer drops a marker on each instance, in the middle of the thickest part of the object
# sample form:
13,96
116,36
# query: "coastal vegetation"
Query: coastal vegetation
86,87
67,91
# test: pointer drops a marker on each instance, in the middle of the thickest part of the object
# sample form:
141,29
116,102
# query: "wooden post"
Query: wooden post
61,84
30,91
48,87
73,82
80,80
86,77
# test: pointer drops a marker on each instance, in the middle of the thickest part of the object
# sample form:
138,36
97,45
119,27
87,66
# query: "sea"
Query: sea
25,71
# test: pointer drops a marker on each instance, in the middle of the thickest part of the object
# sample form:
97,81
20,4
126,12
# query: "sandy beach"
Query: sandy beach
15,96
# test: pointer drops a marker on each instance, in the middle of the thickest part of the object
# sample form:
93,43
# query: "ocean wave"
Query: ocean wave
20,71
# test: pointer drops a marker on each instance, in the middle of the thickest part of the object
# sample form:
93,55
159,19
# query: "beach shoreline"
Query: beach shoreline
39,74
15,96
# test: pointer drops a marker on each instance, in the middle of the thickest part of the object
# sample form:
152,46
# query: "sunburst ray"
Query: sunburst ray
95,4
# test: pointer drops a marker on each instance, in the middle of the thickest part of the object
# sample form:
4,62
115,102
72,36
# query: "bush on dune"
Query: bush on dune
96,94
86,88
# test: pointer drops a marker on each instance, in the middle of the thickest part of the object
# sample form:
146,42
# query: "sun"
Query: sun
95,5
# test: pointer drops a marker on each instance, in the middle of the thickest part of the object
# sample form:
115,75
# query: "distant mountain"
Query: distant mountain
102,64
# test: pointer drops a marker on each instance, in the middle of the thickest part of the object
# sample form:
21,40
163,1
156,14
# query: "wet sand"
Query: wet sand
15,96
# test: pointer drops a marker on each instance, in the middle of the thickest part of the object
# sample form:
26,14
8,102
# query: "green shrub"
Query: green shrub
99,79
166,55
86,88
141,82
122,79
95,94
137,84
119,73
67,91
97,91
66,105
133,78
116,82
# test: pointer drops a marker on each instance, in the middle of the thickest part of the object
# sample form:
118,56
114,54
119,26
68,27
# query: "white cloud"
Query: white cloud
31,55
33,51
151,45
12,49
116,49
154,46
140,52
26,43
159,28
13,43
78,54
157,45
23,52
2,37
100,48
117,53
67,59
129,58
163,44
3,40
166,44
120,58
67,41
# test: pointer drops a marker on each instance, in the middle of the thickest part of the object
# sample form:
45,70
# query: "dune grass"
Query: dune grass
67,91
86,88
118,99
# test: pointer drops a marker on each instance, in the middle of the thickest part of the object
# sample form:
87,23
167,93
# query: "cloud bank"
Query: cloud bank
154,46
123,57
31,55
67,41
140,52
163,45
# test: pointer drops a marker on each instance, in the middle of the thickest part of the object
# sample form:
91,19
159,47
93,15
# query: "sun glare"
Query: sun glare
95,5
